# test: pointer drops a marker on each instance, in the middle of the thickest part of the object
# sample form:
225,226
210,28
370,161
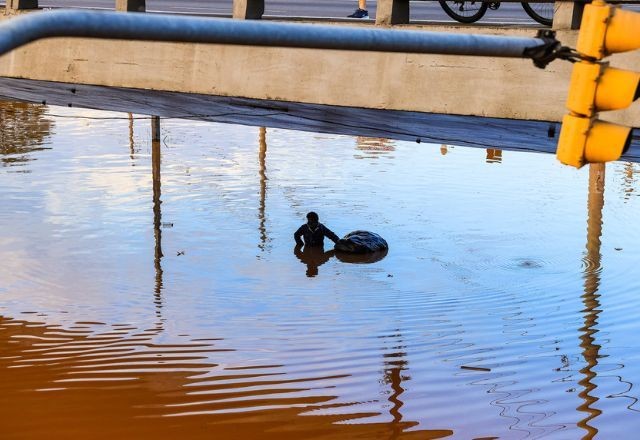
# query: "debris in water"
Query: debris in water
467,367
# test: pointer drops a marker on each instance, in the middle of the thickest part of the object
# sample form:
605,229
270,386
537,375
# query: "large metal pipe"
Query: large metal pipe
151,27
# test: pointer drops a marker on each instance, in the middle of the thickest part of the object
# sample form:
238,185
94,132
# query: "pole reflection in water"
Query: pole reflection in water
262,160
591,350
395,363
157,222
131,144
628,180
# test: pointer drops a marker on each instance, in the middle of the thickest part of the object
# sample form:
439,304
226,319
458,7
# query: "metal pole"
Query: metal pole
150,27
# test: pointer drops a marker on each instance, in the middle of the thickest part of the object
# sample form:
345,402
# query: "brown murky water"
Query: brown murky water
153,291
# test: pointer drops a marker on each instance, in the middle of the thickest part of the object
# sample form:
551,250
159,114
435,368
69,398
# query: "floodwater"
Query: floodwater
152,290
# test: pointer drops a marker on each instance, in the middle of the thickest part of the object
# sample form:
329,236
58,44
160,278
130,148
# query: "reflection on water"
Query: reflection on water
629,180
23,129
592,268
494,155
373,148
132,145
133,303
366,258
157,221
313,257
138,387
395,364
262,159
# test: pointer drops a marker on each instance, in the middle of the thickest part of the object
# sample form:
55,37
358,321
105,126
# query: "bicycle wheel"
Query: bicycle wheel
540,12
464,11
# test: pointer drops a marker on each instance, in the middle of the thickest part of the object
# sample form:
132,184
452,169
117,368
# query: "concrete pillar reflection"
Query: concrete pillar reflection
590,299
262,161
494,155
373,147
157,222
628,180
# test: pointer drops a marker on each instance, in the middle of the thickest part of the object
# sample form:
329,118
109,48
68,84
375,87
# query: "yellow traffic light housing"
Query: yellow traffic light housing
585,140
597,87
607,29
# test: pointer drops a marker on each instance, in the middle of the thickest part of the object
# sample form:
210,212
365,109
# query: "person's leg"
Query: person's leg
361,12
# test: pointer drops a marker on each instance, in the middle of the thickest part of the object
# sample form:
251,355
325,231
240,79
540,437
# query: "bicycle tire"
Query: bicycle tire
543,13
453,9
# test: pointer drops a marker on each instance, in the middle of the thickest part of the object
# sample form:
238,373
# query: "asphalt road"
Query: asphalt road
508,13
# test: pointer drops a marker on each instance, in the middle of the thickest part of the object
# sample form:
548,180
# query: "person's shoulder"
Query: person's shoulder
301,228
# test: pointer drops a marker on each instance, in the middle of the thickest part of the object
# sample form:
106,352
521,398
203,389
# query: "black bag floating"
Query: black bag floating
361,242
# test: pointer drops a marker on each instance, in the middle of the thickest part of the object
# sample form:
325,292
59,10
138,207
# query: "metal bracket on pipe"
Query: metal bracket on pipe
151,27
552,49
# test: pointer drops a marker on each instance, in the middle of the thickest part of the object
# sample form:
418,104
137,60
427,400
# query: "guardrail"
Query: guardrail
151,27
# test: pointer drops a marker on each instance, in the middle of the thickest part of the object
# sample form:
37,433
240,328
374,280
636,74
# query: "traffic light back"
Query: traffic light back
607,29
584,140
596,87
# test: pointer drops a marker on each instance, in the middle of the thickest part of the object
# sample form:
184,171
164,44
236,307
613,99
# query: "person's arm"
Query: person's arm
328,233
297,235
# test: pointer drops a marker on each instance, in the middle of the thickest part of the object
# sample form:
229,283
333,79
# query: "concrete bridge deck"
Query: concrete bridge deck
479,86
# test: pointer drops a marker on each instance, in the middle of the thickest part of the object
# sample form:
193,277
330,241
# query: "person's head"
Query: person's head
312,218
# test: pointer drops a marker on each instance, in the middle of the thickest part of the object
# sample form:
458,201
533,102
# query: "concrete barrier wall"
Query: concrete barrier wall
504,88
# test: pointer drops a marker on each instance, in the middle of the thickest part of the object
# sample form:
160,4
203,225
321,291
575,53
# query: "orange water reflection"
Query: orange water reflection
96,380
23,129
370,351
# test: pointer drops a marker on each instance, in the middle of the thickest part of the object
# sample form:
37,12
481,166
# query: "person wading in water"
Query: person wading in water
313,232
